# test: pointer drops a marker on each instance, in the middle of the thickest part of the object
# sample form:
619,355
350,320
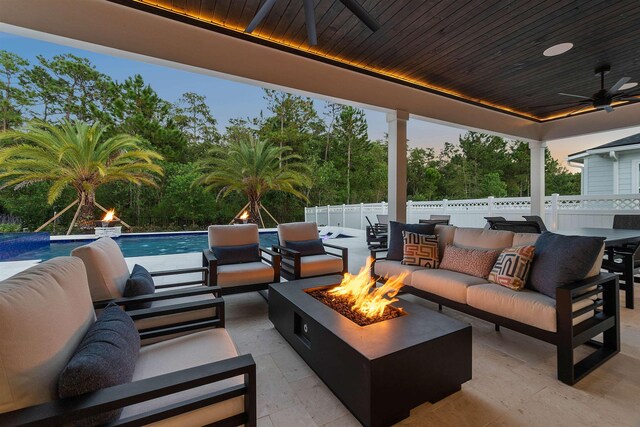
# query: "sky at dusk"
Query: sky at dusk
230,99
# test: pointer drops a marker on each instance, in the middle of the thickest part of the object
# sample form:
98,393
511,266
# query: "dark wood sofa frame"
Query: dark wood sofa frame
292,271
606,321
67,410
210,263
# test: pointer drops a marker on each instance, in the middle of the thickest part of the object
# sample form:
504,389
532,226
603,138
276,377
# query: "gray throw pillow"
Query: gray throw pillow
106,357
139,283
238,254
560,260
396,240
307,247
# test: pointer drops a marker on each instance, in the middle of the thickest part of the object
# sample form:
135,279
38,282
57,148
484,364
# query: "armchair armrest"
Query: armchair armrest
203,281
217,320
210,262
177,293
69,409
275,262
344,254
290,254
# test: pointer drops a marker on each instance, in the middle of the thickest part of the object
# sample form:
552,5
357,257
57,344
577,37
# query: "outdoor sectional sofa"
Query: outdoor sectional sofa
581,310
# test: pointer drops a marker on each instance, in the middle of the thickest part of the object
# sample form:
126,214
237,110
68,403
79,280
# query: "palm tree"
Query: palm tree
77,155
253,168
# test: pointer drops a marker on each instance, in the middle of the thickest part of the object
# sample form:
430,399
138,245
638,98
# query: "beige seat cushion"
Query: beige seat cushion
482,239
447,284
526,306
297,231
244,274
107,270
318,265
388,268
181,353
233,235
45,312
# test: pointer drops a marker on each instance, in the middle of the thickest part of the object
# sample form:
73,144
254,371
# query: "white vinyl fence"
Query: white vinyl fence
560,211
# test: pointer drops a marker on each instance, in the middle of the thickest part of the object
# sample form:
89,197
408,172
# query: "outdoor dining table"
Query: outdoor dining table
613,237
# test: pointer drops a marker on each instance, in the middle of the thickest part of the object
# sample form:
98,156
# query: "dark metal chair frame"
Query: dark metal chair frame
292,272
67,410
536,218
210,262
628,256
377,234
606,321
516,226
434,221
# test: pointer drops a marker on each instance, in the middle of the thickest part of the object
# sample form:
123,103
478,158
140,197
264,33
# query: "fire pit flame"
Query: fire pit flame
370,303
245,215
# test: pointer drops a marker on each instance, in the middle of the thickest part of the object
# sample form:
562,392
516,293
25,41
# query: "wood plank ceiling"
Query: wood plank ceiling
482,51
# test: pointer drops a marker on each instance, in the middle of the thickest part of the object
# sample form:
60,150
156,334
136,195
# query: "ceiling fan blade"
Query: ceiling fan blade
616,87
608,108
310,18
575,96
260,15
357,9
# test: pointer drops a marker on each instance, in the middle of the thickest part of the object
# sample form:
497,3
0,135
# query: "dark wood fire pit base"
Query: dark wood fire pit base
380,371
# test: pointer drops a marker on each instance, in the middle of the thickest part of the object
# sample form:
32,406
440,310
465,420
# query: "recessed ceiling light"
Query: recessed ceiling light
628,85
558,49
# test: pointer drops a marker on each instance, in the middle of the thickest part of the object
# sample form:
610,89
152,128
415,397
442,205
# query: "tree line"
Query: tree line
344,164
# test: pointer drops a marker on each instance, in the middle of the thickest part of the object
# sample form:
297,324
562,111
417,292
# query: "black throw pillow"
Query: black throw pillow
396,240
236,254
307,247
106,357
560,260
139,283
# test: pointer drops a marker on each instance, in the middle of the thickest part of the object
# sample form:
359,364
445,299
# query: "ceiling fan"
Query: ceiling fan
603,98
310,18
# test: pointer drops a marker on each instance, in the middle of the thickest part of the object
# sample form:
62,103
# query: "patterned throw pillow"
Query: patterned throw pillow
420,250
474,262
512,267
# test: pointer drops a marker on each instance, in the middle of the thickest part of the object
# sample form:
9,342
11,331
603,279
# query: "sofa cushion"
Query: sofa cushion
107,270
475,262
527,306
523,239
307,247
244,274
295,231
106,357
482,239
420,250
445,235
396,242
512,267
232,235
447,284
186,352
388,268
236,254
139,283
560,260
39,332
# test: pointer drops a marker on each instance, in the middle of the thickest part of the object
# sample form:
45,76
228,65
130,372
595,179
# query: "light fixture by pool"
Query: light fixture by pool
628,85
558,49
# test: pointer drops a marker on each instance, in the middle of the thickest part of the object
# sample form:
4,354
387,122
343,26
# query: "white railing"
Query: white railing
560,211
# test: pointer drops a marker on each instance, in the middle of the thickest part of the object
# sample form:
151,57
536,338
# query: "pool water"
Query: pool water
133,246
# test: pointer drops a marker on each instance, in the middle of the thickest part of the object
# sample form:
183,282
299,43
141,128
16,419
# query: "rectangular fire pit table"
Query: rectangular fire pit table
380,371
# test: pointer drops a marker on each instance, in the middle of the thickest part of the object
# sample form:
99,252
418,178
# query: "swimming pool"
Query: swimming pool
139,245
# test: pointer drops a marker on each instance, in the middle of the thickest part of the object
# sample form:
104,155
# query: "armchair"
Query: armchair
296,265
245,266
195,379
183,303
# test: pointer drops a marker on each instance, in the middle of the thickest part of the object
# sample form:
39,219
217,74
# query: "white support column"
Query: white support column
397,180
537,149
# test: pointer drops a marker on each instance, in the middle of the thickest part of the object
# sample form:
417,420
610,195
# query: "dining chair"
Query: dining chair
624,260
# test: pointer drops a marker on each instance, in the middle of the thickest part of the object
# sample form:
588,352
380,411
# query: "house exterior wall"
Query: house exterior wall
628,161
599,177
